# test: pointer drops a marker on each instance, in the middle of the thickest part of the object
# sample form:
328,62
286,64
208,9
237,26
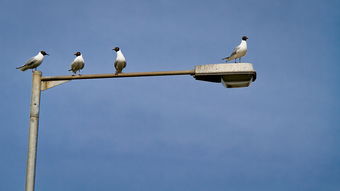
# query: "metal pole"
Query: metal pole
121,75
33,132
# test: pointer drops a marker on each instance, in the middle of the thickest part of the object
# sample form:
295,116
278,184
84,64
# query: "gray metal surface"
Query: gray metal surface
231,75
50,84
120,75
223,68
33,132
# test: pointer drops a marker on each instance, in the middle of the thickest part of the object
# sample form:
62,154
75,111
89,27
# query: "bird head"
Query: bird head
116,49
77,53
244,38
43,53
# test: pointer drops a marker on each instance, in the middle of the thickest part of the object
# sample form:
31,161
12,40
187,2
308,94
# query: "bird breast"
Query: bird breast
243,49
39,57
241,52
120,56
79,59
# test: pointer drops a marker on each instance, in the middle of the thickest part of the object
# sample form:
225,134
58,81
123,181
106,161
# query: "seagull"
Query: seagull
77,64
33,62
239,51
120,61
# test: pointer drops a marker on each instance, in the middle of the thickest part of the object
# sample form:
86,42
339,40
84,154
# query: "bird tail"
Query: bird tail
22,68
74,71
226,58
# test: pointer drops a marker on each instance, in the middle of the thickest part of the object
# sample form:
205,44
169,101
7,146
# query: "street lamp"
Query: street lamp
231,75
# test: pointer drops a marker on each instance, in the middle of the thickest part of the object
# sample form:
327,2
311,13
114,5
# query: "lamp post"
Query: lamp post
33,131
231,75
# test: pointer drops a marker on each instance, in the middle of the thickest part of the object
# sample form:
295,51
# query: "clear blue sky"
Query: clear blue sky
174,133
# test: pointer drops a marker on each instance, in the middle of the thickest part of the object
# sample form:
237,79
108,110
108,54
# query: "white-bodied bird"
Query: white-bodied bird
120,61
78,63
33,62
239,51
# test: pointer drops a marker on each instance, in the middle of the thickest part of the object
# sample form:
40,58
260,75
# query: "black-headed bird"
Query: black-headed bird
33,62
120,62
78,63
239,51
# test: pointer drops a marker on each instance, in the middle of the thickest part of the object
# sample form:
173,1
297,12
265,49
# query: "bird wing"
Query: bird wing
235,50
77,65
115,64
82,64
30,61
74,66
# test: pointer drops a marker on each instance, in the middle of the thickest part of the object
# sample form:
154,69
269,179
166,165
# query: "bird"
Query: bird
33,62
78,63
239,51
120,61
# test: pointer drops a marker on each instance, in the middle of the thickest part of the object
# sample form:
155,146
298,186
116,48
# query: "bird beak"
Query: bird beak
47,54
